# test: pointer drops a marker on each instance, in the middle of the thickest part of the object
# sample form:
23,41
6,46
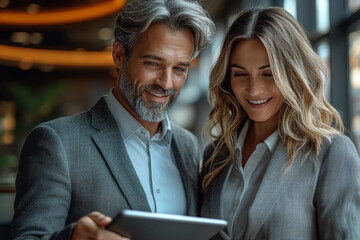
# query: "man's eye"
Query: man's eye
179,69
151,63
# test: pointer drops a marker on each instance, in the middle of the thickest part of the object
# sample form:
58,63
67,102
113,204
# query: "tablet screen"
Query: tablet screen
139,225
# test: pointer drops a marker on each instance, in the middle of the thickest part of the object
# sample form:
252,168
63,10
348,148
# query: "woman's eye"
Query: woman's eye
267,74
240,74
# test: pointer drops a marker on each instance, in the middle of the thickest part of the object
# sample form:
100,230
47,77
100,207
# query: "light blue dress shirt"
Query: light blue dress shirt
243,183
152,159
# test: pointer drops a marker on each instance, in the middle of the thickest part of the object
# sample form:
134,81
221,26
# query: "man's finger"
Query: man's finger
87,228
100,219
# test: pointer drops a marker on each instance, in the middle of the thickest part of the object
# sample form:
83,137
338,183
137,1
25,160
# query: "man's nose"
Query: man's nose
165,79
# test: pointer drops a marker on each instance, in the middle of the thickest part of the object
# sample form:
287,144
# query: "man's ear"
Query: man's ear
118,54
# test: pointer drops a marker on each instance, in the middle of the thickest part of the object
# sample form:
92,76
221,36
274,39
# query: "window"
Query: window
333,27
354,63
323,50
322,16
290,6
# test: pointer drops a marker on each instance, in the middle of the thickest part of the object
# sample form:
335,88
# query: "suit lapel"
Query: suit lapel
272,186
185,177
109,142
213,204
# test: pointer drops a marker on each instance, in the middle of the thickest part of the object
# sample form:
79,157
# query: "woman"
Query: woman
279,166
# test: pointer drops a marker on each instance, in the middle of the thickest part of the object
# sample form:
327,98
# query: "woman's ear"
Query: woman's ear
118,54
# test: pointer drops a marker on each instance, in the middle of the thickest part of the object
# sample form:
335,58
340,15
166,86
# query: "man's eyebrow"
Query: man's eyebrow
186,64
152,57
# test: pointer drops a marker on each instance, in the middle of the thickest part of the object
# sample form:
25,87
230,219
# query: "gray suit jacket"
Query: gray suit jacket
74,165
314,200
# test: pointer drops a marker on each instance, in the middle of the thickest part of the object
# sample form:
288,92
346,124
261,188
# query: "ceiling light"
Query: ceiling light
35,17
20,37
27,57
4,3
105,34
36,38
33,8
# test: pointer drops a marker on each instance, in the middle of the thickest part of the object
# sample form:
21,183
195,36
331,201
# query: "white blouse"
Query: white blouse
242,185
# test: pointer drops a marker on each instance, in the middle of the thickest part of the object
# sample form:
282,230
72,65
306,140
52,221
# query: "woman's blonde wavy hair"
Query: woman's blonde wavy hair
305,118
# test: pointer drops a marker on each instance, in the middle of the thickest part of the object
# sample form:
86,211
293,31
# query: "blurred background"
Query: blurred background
55,60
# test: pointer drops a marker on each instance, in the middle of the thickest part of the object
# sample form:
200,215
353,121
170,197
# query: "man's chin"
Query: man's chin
153,117
153,111
152,114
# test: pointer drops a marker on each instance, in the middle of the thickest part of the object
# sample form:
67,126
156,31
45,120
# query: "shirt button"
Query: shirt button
158,191
143,131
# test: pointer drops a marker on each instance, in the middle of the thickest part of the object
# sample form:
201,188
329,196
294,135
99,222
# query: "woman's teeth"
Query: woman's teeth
259,101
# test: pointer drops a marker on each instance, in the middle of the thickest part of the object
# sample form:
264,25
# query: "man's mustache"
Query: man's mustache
159,89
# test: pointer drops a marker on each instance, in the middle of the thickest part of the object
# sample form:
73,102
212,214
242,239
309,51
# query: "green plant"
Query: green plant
37,106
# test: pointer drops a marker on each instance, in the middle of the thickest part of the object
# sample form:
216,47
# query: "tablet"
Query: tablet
139,225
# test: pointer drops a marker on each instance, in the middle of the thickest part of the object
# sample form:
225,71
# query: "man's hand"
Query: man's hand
92,227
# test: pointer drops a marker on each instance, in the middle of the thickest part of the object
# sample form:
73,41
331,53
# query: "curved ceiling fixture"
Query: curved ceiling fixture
60,58
70,59
64,16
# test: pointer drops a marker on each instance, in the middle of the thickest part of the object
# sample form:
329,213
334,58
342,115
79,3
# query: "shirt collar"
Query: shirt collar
270,141
129,125
165,133
242,136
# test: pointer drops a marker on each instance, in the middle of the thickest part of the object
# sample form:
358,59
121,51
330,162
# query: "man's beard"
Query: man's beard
154,112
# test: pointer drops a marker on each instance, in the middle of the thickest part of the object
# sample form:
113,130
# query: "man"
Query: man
77,172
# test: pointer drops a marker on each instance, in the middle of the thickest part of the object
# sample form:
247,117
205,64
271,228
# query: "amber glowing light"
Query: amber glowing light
63,16
56,57
25,58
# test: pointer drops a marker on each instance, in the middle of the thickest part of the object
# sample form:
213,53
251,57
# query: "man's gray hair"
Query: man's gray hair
137,16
